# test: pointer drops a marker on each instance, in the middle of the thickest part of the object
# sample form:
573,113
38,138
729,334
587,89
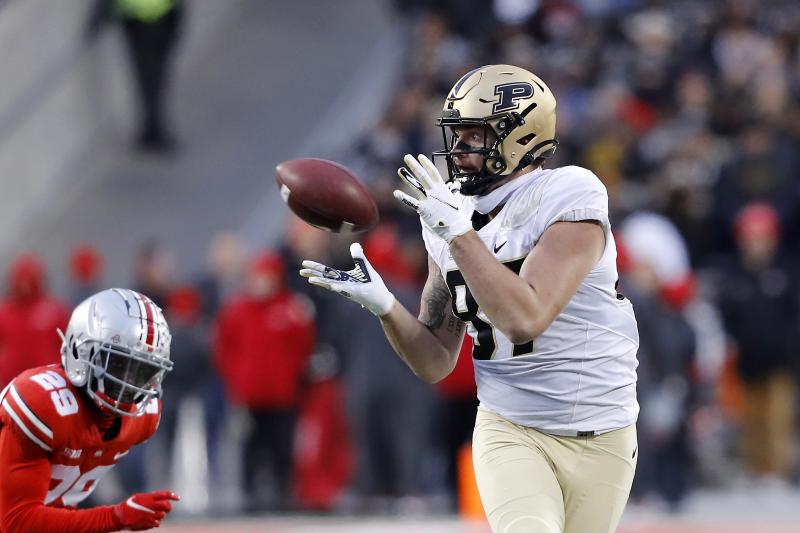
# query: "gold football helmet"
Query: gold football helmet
518,107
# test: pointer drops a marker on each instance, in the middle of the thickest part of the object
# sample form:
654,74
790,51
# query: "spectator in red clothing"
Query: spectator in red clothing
28,320
85,272
265,336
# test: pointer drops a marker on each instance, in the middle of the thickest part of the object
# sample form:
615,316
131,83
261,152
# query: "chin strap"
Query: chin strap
526,160
529,159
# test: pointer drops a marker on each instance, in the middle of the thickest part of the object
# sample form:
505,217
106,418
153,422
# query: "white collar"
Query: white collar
488,202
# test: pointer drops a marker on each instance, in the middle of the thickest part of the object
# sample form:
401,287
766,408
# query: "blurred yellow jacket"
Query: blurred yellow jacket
143,10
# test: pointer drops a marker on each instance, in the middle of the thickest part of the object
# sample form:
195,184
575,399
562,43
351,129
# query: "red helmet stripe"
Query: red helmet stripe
150,321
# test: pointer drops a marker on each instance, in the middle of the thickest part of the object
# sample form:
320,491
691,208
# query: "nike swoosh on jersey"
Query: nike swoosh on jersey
497,248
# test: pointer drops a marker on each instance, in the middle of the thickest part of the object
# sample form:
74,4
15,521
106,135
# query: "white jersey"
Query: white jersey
579,375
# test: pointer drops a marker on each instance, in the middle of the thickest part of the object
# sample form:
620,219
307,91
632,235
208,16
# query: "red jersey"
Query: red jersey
262,348
46,419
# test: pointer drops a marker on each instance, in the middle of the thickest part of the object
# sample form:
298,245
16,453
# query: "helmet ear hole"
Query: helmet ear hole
525,140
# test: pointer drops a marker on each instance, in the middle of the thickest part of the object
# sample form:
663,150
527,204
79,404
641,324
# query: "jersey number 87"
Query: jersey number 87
466,308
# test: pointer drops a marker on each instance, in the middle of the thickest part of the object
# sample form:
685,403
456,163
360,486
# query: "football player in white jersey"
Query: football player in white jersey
523,258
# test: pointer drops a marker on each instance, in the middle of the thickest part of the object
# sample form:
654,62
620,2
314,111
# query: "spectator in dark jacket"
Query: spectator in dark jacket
191,355
760,310
264,338
384,398
151,29
226,258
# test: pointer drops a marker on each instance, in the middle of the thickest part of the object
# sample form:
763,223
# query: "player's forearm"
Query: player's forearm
36,518
509,302
418,346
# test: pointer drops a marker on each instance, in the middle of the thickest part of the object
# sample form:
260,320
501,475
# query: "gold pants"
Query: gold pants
533,482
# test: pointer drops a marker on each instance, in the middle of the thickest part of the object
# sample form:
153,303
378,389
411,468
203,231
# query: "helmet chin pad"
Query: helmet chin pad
105,403
477,184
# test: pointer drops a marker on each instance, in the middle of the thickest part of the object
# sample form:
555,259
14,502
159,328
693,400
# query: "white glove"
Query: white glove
436,205
363,284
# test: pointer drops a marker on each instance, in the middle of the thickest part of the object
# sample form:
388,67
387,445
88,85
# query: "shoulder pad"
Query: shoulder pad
39,403
575,178
573,193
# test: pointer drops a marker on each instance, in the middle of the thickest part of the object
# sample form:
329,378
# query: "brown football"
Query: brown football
326,194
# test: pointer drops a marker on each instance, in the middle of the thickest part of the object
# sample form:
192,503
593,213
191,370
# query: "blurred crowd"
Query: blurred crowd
688,111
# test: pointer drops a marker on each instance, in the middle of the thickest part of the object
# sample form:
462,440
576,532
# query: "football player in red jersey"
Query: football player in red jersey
63,427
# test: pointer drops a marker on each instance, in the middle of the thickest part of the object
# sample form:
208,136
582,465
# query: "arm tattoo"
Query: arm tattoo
436,305
454,325
435,309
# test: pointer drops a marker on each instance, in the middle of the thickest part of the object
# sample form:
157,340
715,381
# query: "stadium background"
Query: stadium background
686,109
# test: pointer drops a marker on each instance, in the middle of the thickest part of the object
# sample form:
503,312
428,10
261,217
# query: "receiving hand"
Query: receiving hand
362,284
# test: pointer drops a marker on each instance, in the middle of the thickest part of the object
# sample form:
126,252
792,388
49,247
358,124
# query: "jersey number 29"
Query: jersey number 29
64,401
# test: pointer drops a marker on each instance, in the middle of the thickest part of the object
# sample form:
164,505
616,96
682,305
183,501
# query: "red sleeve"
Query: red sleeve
25,471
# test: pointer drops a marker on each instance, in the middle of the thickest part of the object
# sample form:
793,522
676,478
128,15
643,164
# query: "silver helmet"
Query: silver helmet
117,347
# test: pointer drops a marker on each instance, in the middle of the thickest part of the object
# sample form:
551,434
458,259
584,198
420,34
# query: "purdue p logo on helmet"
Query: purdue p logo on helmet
518,107
509,94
